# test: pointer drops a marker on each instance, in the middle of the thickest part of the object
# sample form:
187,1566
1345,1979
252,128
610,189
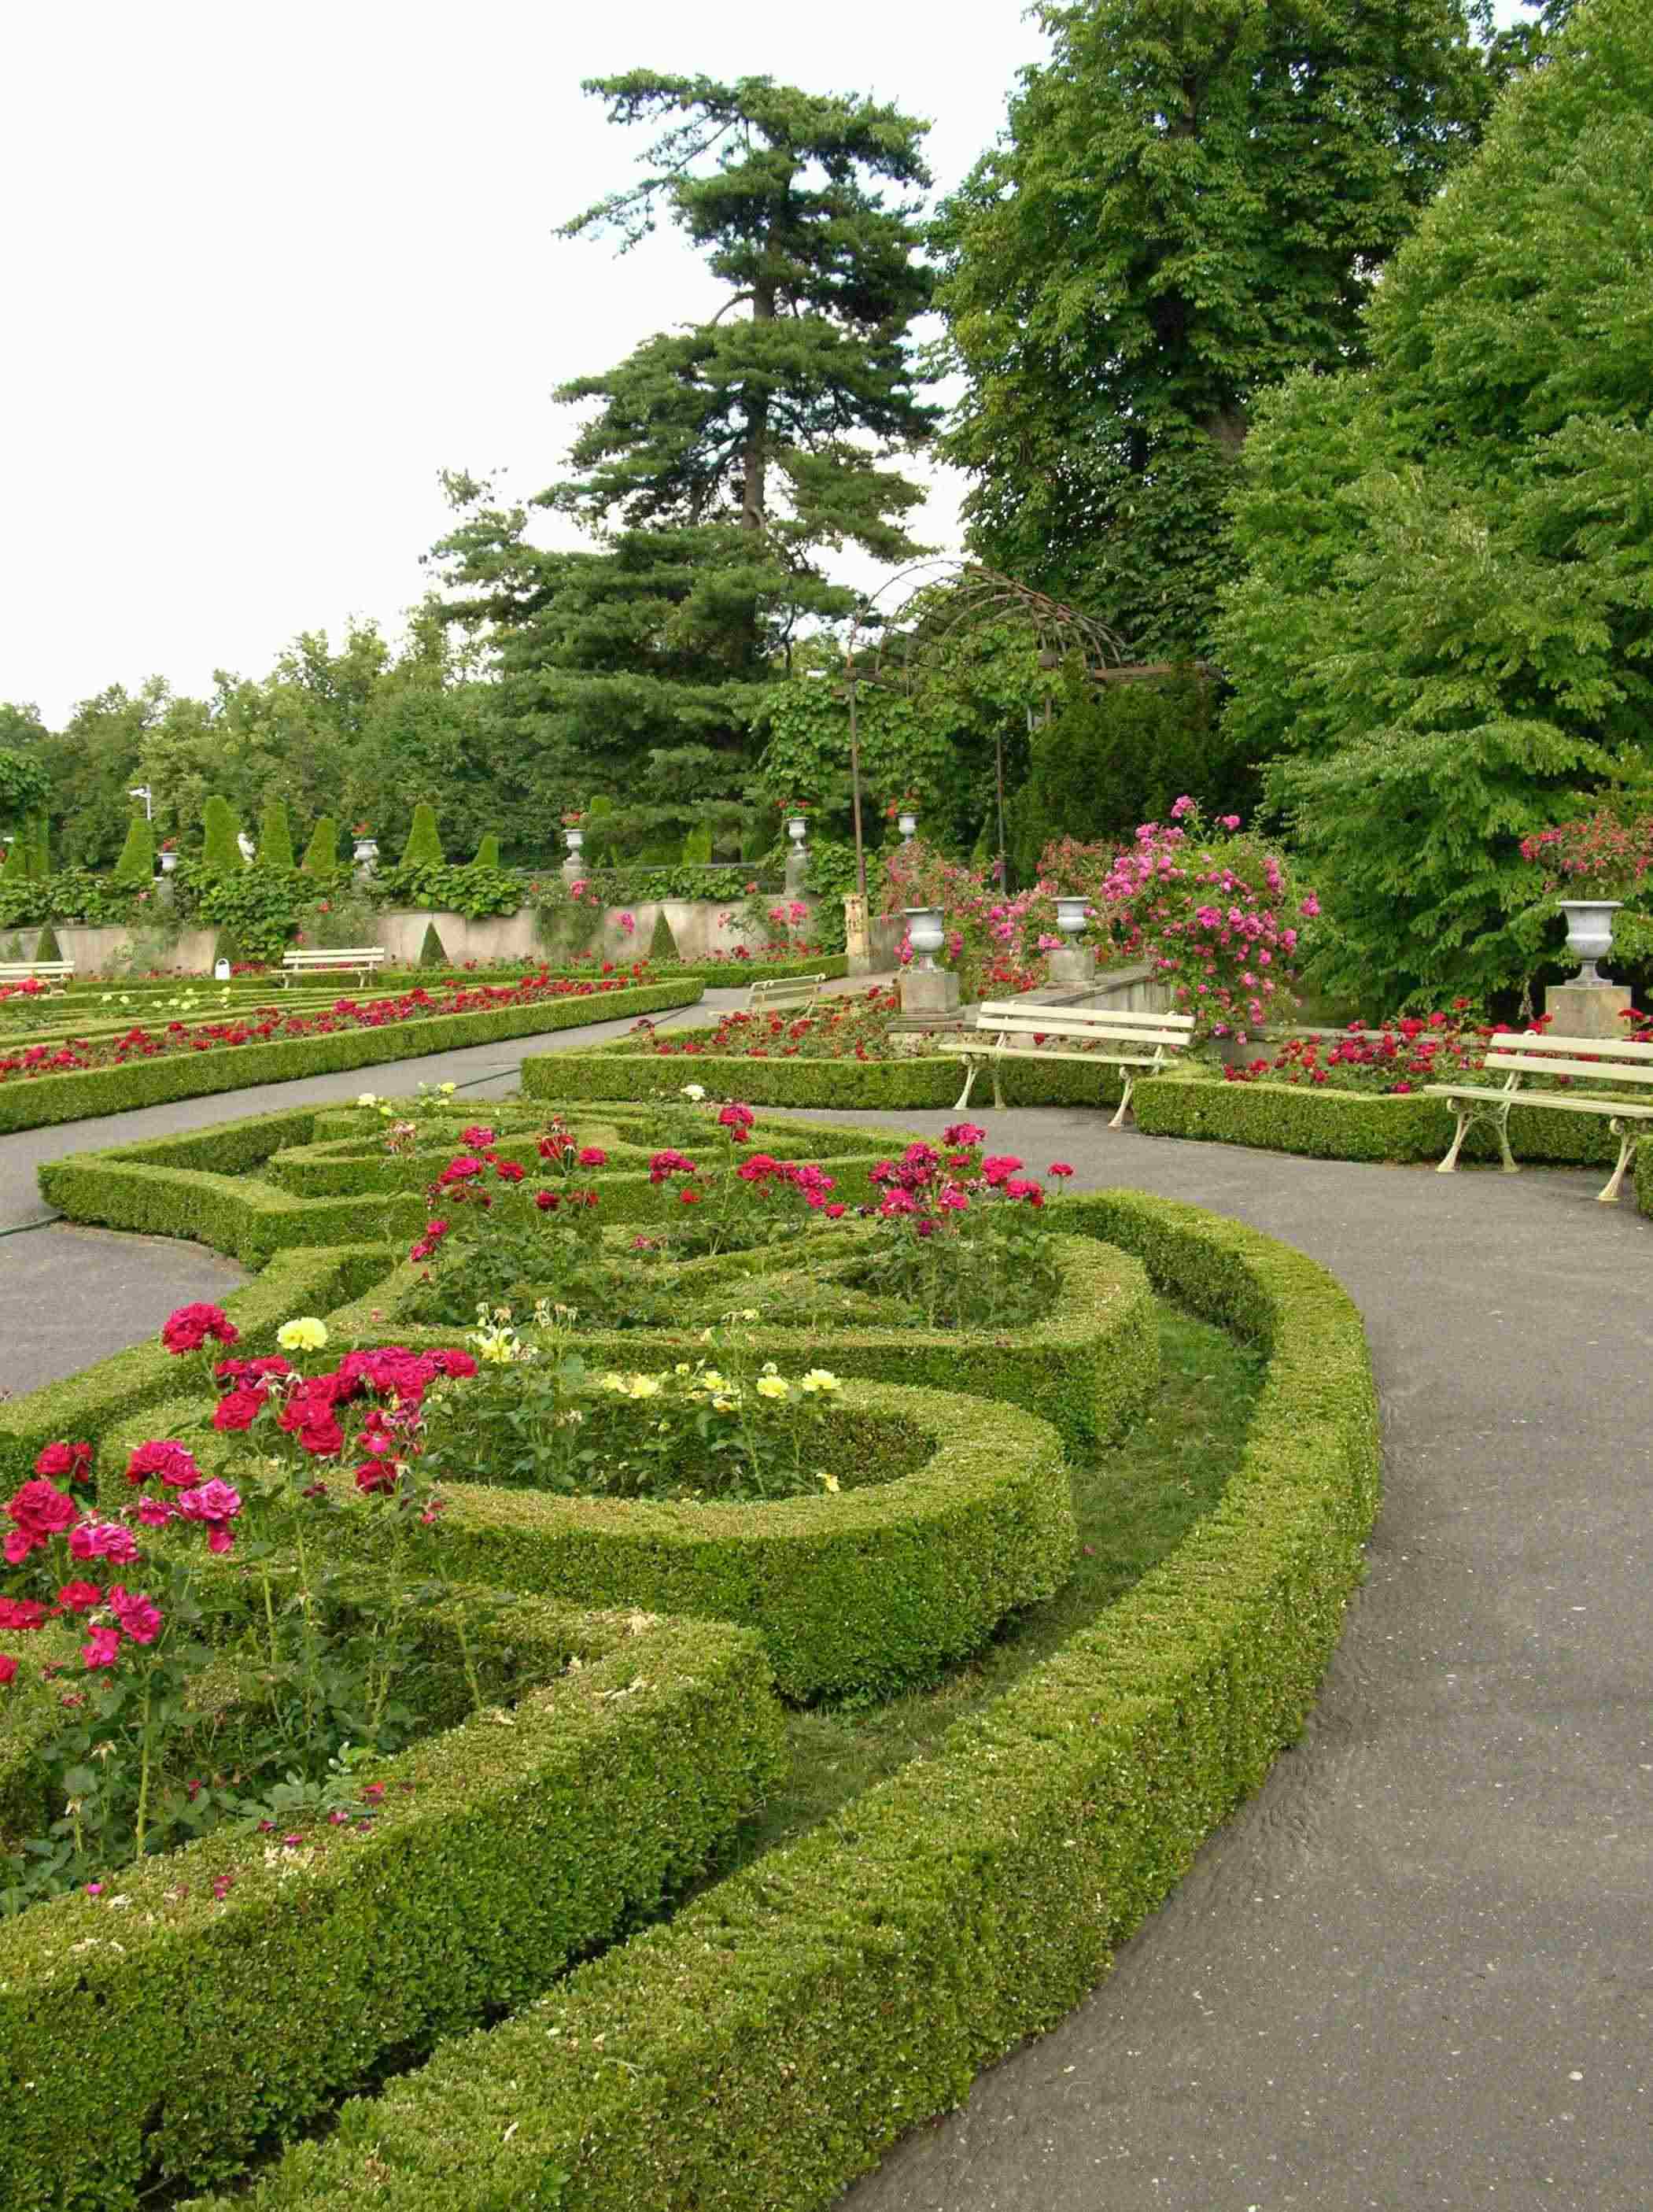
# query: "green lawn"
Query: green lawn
1133,1505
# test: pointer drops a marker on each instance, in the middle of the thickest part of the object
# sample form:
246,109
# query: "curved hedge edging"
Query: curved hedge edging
619,1072
1087,1366
1644,1175
32,1103
874,1589
769,2043
1323,1124
164,2041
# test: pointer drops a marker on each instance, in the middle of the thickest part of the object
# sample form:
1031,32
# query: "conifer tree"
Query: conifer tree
724,460
487,853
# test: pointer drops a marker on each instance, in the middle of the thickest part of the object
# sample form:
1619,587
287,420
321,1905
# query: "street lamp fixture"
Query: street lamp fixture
143,791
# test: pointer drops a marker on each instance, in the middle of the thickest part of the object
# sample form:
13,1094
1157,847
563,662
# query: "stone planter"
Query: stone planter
1590,935
907,822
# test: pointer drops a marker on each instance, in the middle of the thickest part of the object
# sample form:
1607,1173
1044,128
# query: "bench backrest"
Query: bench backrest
19,971
776,993
1602,1060
334,955
1096,1025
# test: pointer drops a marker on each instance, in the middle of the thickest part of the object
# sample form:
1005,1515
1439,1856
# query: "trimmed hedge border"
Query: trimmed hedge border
33,1103
1643,1173
619,1072
771,2042
874,1589
1323,1124
170,2044
1087,1367
197,1184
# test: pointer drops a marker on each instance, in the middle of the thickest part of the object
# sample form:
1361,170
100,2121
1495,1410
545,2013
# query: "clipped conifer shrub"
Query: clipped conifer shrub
321,855
662,945
424,847
220,855
275,835
432,953
136,861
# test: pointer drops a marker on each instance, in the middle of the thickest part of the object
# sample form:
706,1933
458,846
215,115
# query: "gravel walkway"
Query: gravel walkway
1415,1970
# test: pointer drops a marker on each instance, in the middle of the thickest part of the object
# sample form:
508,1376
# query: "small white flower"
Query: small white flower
367,1098
695,1091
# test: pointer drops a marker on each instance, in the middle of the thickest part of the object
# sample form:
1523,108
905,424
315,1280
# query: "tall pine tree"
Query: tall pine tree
1191,202
724,460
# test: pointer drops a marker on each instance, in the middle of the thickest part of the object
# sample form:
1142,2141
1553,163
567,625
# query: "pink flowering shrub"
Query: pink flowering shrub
1211,910
1600,857
991,938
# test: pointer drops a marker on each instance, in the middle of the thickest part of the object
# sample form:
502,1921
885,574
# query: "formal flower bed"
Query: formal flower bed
263,1025
947,1529
1393,1058
948,1237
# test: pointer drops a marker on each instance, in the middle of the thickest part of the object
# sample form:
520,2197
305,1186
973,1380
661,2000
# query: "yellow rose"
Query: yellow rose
830,1481
645,1385
819,1378
771,1386
367,1098
307,1334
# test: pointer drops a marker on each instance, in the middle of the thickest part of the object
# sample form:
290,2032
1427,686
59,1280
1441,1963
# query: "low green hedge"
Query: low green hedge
1644,1173
159,2033
154,1188
773,2039
621,1072
870,1591
1323,1124
1088,1366
84,1405
31,1103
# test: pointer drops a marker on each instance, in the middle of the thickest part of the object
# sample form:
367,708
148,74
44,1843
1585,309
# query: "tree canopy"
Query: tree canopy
1444,632
1189,203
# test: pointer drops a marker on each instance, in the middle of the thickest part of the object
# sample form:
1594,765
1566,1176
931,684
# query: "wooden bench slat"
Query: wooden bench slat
1097,1036
1533,1045
1636,1108
993,1012
1600,1071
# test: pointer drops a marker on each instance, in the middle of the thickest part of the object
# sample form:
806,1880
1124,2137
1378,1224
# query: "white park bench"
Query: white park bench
1525,1057
56,972
1011,1029
784,995
363,959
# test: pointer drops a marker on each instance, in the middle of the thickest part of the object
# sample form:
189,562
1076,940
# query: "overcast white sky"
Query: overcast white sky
266,269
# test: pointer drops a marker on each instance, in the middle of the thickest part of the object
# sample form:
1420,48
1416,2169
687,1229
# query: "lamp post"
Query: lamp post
143,791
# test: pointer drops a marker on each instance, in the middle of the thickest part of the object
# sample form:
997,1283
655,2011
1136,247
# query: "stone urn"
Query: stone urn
168,862
926,934
796,829
907,822
574,839
1589,934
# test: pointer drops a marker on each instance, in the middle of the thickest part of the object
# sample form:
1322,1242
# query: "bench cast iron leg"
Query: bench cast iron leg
963,1098
1509,1167
1118,1122
1448,1165
1626,1133
997,1087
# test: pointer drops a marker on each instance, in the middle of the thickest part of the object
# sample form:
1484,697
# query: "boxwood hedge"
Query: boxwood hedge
870,1590
769,2043
160,2032
619,1071
1324,1124
31,1103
